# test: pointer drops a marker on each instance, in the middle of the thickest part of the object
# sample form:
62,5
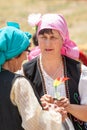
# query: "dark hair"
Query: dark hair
34,38
48,31
27,49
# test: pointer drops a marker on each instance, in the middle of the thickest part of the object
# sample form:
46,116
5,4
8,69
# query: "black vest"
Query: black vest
9,115
73,72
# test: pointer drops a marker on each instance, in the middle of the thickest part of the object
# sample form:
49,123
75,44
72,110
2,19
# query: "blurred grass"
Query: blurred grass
75,12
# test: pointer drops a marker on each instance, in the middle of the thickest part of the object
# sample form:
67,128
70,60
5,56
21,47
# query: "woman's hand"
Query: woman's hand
63,102
48,103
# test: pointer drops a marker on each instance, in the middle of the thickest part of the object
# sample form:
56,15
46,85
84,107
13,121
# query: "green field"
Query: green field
75,12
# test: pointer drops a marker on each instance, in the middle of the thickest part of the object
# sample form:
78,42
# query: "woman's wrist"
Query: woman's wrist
69,108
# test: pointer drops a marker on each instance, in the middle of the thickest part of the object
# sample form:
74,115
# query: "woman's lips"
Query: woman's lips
48,49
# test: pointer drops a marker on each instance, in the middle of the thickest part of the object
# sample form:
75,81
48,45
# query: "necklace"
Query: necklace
57,73
65,75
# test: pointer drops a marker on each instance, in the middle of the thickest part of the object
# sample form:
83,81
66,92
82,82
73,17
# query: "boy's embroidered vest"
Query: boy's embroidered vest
9,115
31,71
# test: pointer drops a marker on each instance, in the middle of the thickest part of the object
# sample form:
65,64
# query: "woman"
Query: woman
57,61
13,46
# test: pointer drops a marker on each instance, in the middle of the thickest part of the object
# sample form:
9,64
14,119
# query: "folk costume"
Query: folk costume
73,88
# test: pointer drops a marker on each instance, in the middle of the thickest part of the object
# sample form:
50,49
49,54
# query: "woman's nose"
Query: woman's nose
48,41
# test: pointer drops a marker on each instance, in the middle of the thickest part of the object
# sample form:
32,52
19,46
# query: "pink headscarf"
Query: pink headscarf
56,22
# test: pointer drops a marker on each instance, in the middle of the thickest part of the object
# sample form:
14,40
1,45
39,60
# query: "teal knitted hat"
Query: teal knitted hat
13,42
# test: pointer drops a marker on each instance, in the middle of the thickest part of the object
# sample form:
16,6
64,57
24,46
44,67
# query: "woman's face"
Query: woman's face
50,43
17,61
20,59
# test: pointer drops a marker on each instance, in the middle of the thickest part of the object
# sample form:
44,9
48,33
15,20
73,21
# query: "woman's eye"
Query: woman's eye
43,37
53,38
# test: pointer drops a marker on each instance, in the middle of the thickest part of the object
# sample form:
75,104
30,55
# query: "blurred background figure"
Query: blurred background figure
83,57
35,51
35,40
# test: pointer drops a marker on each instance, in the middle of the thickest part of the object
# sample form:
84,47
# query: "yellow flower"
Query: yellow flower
56,83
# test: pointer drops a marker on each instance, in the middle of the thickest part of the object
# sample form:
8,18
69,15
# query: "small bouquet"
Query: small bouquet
56,83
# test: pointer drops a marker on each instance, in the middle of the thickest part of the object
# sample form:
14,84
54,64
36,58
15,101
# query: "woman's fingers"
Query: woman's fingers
63,102
47,98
